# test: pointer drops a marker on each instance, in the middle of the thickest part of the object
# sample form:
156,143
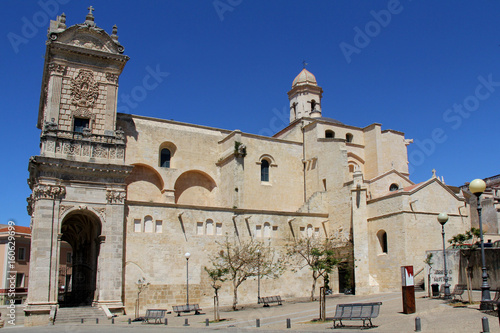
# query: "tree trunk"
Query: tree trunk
235,295
315,278
216,305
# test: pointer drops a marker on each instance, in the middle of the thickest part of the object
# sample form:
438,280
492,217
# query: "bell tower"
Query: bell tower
305,96
78,180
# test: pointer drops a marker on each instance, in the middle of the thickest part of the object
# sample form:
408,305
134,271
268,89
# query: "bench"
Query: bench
356,311
495,300
187,308
458,290
154,314
271,299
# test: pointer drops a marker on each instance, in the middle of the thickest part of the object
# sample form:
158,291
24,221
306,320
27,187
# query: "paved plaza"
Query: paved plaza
435,314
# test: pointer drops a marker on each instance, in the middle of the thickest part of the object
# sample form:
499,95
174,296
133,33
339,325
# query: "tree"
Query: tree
321,255
245,259
217,278
459,241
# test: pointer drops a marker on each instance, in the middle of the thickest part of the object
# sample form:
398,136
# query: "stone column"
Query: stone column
44,248
110,261
54,92
111,98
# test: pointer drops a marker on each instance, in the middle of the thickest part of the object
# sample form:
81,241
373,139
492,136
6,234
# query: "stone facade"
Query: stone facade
132,194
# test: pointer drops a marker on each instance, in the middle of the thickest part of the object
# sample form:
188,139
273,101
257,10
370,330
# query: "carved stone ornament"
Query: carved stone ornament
49,192
113,196
84,90
31,204
50,125
63,209
112,77
56,68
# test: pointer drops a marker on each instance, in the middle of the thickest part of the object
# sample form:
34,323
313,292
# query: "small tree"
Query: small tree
246,259
321,255
217,278
459,241
429,262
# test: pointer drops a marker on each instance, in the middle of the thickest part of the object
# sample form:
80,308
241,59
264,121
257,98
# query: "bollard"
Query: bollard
288,323
257,322
82,320
166,321
186,323
207,322
97,320
486,325
418,326
112,320
129,321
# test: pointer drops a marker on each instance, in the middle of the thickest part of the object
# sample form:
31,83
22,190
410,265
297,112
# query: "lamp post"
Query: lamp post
442,219
477,187
258,276
187,255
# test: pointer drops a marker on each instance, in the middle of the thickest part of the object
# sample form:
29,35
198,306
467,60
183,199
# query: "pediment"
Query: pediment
90,38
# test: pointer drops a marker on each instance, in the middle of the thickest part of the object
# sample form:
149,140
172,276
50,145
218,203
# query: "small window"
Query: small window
264,171
148,224
21,254
382,238
199,228
69,257
79,124
165,158
393,187
137,225
218,229
348,137
159,227
351,168
316,232
258,231
329,134
303,231
19,280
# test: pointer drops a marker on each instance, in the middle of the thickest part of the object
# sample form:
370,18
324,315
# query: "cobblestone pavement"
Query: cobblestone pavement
435,314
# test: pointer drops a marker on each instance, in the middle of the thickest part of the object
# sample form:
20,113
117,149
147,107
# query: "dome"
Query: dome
304,77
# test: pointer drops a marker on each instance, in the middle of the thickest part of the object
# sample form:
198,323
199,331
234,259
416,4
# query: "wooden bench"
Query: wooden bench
458,290
271,299
154,314
356,311
187,309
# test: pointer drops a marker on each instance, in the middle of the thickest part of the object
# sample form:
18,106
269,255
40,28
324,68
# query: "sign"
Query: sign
407,276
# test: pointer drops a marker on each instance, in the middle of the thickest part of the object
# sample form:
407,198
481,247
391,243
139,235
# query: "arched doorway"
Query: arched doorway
81,230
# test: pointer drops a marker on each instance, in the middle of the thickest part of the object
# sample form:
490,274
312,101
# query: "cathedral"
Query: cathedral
132,194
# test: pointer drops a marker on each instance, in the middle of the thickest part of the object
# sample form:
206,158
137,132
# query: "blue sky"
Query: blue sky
427,68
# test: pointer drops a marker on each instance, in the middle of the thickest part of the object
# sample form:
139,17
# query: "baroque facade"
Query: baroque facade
131,194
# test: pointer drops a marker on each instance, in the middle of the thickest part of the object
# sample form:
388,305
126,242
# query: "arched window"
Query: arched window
329,134
348,137
393,187
309,230
382,239
313,105
165,158
264,171
209,227
267,230
148,224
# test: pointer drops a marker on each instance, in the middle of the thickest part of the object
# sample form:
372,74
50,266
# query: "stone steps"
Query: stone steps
76,314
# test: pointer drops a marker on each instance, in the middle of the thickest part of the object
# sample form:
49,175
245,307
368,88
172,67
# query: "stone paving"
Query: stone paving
435,314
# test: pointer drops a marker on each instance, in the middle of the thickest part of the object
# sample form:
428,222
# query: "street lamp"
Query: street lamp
187,255
258,276
477,187
442,219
